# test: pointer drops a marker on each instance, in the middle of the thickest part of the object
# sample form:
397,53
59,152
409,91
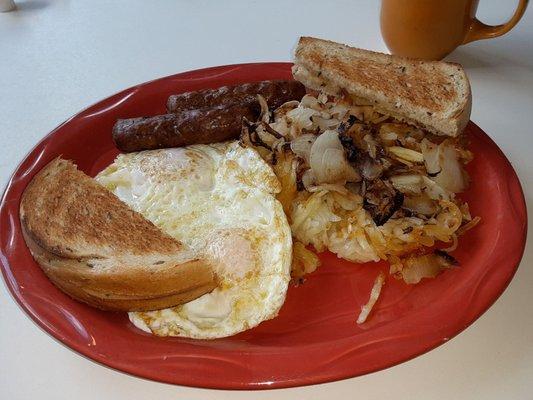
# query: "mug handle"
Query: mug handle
478,30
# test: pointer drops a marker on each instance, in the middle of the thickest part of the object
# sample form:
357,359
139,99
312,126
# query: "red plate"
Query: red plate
315,338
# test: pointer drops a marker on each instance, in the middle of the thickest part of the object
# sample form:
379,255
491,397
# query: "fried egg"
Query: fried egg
219,200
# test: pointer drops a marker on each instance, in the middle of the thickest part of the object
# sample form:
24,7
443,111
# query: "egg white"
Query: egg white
219,200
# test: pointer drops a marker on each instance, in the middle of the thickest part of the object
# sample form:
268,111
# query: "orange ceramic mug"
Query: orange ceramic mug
431,29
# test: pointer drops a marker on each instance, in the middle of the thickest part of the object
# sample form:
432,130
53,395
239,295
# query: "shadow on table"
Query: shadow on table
31,5
488,54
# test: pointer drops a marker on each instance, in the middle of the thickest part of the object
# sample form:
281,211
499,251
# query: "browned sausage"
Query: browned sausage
181,129
275,92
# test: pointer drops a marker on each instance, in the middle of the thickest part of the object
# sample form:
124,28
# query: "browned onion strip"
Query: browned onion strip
453,247
468,226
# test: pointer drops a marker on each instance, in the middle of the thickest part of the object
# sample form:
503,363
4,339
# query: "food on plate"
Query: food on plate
415,267
180,129
275,92
374,296
363,156
371,160
219,201
433,95
202,117
99,251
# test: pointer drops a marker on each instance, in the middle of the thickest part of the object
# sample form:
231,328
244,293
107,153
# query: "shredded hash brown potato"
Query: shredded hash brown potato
374,295
363,185
304,261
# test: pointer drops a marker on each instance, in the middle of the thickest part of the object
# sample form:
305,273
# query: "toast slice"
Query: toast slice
433,95
96,249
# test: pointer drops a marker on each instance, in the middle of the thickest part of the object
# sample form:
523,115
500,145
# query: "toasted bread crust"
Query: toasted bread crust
125,304
97,250
433,95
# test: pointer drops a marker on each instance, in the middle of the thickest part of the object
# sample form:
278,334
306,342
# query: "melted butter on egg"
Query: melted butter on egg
218,200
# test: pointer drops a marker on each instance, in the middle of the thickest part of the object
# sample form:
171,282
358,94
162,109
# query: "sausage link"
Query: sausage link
275,92
181,129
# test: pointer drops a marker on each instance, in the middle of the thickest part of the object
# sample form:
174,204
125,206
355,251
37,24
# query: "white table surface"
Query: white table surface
57,57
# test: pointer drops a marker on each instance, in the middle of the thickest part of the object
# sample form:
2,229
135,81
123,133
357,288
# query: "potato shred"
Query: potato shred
374,295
